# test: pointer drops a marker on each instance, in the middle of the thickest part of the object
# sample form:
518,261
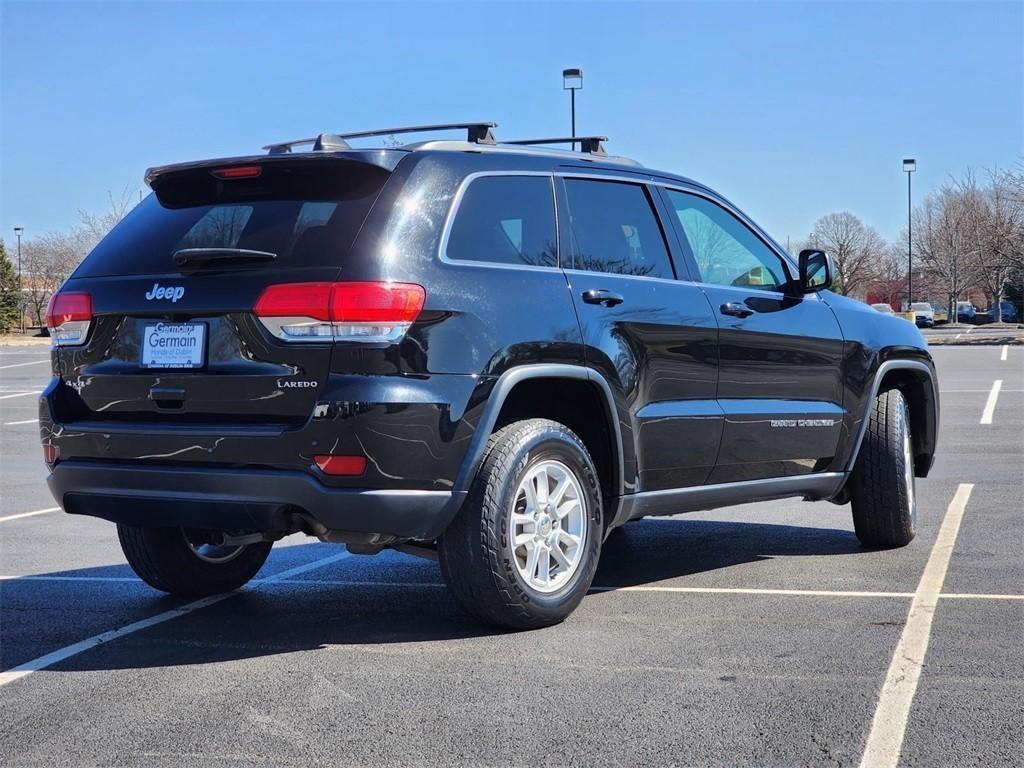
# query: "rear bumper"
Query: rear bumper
243,499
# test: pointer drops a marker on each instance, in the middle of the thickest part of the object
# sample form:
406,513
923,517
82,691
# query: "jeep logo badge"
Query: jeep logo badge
170,292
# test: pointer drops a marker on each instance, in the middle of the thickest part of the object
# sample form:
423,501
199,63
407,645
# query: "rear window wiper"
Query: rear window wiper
199,256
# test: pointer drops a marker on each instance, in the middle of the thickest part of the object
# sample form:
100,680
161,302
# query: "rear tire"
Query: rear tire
882,491
169,559
536,491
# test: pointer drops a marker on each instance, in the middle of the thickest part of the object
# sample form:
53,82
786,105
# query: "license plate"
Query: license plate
174,345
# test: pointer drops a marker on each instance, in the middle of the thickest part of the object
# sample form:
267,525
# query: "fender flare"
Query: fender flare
883,369
499,393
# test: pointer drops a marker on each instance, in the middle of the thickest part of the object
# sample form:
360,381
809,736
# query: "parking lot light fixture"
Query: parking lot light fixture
909,166
572,81
21,288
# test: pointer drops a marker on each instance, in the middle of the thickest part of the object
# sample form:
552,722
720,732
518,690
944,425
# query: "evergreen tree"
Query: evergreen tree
10,293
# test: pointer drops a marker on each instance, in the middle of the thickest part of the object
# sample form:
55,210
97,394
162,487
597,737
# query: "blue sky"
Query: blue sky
790,109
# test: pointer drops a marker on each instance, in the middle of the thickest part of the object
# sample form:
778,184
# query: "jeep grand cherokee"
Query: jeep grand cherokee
489,353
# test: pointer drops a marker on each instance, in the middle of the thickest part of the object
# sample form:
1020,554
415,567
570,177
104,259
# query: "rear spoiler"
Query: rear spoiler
386,159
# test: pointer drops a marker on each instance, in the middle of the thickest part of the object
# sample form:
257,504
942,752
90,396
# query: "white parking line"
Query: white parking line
29,514
990,404
17,423
19,365
978,596
44,577
948,391
21,394
55,657
1002,355
744,591
885,741
441,585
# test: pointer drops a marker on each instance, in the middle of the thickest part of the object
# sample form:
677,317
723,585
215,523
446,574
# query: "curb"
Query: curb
24,341
991,341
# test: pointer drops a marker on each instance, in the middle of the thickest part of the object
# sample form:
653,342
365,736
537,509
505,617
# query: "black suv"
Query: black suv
489,353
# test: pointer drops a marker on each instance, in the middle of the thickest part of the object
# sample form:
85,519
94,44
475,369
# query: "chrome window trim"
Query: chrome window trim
642,178
617,275
453,210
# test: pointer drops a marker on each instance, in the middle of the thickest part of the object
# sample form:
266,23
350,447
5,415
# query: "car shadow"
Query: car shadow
356,601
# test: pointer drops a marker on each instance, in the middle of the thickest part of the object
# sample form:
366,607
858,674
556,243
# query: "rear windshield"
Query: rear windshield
307,216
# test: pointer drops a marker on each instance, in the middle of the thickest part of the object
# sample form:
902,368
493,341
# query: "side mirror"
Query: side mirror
816,271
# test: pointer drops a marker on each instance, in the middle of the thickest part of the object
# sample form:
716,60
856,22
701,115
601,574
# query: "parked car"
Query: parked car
885,309
1009,313
924,314
478,352
965,312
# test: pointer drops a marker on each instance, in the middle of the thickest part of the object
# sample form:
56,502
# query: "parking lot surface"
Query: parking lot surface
760,635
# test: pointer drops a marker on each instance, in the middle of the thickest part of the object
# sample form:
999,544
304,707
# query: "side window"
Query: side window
726,251
614,229
505,220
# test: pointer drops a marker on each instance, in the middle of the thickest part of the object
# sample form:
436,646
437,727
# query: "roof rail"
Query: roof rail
477,133
593,145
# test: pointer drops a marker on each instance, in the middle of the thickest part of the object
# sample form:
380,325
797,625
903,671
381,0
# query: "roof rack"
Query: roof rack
593,145
477,133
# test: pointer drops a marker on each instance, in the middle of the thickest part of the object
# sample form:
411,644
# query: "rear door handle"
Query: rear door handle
736,309
605,298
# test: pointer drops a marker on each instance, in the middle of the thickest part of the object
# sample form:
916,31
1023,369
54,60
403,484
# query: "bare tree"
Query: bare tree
856,247
890,282
49,259
999,212
946,243
93,227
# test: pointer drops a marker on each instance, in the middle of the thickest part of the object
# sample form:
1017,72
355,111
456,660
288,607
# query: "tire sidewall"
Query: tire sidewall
549,444
910,487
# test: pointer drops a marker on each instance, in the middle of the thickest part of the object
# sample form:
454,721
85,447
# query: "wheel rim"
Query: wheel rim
908,462
207,552
548,526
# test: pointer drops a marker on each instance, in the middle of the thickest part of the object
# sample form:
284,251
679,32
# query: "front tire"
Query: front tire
523,550
882,489
179,562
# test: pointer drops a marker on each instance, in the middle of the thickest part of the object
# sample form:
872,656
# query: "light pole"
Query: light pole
572,81
21,289
909,166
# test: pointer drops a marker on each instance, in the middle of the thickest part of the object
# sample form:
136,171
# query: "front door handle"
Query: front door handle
736,309
602,297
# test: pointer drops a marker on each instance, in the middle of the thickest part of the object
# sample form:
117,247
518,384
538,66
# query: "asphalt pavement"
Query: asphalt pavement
759,635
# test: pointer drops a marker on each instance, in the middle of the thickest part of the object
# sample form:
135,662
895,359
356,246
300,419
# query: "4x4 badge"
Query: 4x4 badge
173,293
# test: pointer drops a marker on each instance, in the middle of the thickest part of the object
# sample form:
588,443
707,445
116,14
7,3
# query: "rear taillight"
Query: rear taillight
367,312
68,316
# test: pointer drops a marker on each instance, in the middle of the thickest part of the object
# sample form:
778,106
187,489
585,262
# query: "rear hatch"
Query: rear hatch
168,296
